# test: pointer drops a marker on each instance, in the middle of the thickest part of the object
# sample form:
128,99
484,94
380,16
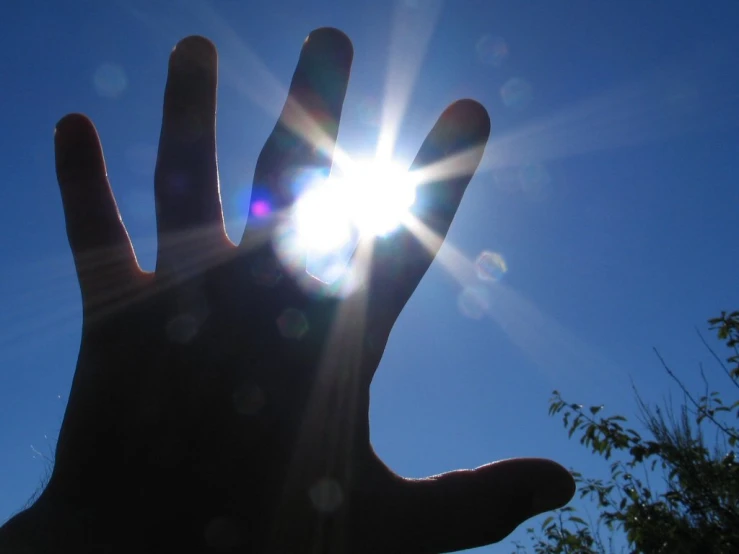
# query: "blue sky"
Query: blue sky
609,187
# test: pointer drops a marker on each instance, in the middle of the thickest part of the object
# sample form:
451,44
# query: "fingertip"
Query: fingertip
194,49
471,508
330,36
73,124
197,42
330,39
471,115
557,488
77,149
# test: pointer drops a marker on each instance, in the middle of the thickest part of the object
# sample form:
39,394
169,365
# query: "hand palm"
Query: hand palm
216,398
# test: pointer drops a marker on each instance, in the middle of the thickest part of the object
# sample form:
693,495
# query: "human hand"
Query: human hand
195,423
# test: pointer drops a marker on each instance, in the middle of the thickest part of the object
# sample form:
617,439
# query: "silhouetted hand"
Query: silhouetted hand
219,405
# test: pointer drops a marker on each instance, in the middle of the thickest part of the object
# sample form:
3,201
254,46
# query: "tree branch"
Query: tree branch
692,400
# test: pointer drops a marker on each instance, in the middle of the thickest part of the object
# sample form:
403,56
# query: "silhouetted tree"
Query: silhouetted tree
672,488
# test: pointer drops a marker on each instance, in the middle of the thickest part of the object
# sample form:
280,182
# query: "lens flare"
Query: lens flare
492,50
373,199
490,266
292,324
110,80
516,93
474,301
379,196
261,208
321,218
367,199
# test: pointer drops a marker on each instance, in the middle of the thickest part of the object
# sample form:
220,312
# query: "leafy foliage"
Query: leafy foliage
727,327
670,489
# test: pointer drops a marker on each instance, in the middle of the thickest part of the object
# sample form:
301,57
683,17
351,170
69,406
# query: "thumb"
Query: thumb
469,508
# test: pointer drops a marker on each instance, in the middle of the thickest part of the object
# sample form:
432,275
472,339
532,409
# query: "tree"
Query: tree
673,488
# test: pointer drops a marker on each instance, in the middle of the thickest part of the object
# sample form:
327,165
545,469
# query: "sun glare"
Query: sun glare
380,195
369,199
321,219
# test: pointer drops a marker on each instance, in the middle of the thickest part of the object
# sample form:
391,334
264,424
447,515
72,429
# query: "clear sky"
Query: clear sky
609,188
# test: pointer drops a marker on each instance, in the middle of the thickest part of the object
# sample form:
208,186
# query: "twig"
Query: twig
692,400
716,357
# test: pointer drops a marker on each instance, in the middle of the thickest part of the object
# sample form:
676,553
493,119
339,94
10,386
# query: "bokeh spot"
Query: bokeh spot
516,93
492,50
326,495
535,181
249,399
474,301
266,271
292,323
110,80
182,328
490,266
222,533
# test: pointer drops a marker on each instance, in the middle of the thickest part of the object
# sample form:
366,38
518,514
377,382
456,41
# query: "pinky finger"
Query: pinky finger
103,254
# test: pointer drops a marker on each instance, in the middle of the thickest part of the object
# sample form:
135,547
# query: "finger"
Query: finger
470,508
188,203
103,254
445,164
303,140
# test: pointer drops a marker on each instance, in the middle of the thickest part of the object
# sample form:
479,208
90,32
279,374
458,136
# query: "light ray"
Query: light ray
331,420
462,163
412,28
263,88
237,61
616,118
300,122
447,255
555,349
542,339
669,102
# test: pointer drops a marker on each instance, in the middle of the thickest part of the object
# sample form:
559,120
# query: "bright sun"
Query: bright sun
371,199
